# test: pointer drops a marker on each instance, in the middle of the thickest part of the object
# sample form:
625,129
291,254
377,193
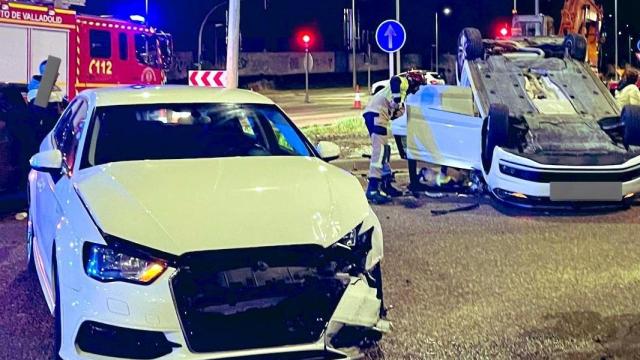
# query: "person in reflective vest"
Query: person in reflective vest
383,107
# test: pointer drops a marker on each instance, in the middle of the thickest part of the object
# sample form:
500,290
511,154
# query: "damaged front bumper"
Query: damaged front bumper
276,299
354,322
523,182
288,302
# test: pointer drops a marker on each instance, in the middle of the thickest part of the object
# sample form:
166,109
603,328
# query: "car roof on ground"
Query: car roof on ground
171,94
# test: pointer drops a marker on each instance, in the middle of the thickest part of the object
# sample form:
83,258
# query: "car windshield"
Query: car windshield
189,131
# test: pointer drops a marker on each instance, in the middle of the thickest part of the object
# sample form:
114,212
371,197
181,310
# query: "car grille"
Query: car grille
247,299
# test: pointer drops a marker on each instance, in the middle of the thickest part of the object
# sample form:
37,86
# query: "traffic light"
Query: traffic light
306,40
306,37
504,31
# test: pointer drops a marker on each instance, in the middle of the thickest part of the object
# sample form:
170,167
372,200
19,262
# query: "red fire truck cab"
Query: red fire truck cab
96,51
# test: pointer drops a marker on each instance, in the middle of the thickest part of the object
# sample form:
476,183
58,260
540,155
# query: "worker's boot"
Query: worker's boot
374,195
388,188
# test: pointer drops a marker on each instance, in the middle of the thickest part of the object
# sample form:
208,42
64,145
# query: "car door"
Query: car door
51,189
444,128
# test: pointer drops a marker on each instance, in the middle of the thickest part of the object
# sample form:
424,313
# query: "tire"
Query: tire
497,132
470,47
577,46
31,265
57,336
631,120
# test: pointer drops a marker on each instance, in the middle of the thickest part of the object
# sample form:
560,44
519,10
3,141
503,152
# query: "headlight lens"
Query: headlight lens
351,239
107,264
354,239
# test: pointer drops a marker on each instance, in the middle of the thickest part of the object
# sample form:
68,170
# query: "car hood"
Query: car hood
180,206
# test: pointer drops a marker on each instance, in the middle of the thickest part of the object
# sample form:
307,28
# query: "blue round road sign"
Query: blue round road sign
391,36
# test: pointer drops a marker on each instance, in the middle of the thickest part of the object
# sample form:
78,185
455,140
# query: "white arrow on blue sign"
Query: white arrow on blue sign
391,36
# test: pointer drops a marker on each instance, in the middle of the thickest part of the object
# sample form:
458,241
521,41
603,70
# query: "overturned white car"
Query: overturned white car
533,120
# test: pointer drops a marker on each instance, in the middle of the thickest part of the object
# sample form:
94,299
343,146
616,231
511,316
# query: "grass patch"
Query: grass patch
349,133
348,128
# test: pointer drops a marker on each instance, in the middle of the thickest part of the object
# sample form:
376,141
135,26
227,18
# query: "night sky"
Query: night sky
273,29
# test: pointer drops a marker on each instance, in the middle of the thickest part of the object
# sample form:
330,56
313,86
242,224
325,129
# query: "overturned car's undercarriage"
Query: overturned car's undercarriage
561,113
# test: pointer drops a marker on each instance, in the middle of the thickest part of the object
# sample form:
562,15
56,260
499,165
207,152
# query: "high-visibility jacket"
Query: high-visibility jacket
381,103
630,95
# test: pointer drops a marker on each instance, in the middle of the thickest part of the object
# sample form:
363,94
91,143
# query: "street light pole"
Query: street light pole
146,12
398,57
446,11
353,41
616,40
204,21
306,74
630,50
233,44
437,60
215,44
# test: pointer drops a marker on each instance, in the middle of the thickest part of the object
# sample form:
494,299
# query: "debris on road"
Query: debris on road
458,209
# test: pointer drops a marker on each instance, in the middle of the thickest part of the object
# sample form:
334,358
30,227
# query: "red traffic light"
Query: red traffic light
504,31
306,38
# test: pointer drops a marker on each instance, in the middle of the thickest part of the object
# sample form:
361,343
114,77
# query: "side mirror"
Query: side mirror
328,151
47,161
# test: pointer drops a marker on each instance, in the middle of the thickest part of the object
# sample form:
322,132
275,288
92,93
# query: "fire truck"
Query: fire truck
96,51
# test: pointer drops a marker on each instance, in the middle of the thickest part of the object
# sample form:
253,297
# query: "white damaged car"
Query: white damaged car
195,223
532,120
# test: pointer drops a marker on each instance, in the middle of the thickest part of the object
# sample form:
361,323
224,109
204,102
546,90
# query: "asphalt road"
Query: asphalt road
326,106
491,283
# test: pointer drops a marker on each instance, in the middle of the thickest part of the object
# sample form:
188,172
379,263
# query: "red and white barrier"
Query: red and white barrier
208,78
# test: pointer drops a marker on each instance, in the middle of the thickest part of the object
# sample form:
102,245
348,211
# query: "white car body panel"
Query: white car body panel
180,206
441,127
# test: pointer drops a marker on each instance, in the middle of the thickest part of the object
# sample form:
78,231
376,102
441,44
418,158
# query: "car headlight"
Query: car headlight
354,239
107,264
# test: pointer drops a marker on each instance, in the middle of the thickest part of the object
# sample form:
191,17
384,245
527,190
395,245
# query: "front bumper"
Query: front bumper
523,182
151,309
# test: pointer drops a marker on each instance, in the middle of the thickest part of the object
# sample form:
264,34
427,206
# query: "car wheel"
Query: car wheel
631,120
469,47
31,265
497,132
57,336
577,46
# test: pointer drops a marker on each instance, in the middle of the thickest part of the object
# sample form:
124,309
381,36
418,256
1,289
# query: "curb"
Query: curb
361,165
